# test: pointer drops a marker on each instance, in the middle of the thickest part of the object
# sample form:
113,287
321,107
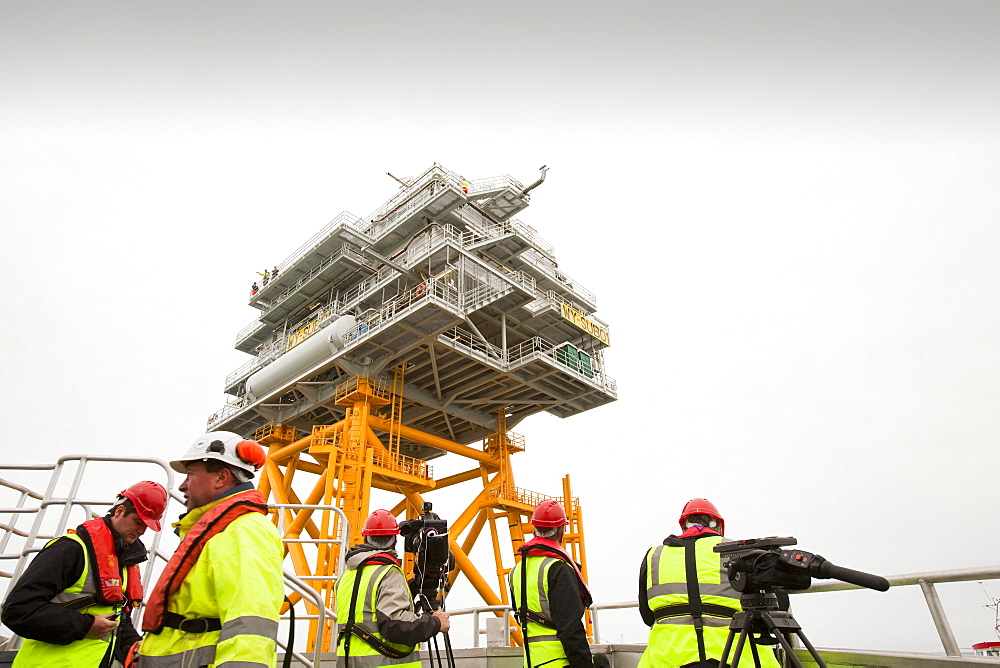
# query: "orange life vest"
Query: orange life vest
211,523
108,574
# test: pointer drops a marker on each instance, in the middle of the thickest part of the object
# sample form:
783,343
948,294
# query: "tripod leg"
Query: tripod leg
447,649
754,651
792,659
812,650
739,647
725,650
437,651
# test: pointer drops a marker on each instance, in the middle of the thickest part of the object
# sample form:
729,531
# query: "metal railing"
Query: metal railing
492,183
546,267
536,345
34,539
425,187
554,300
457,337
352,298
346,250
409,200
10,529
342,219
376,319
371,322
249,330
483,228
276,348
306,585
303,585
527,497
926,581
433,173
404,464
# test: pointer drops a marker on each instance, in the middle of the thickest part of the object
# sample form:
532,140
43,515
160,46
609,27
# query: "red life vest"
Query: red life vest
186,555
543,547
698,530
108,575
380,558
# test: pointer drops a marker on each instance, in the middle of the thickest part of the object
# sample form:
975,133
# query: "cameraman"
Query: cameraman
685,597
390,633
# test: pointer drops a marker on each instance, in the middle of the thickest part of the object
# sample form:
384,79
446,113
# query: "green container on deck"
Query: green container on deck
586,368
568,355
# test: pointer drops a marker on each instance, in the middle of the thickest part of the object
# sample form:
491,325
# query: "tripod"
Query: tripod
760,616
423,603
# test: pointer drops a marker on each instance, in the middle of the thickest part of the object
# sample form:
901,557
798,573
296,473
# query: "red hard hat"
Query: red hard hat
380,523
549,513
702,507
149,499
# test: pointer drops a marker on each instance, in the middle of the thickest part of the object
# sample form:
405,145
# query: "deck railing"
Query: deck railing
35,505
926,581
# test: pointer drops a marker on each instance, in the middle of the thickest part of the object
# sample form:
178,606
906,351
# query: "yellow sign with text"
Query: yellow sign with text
303,333
586,324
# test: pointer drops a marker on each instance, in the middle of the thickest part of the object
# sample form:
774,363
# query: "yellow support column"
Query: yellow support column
363,451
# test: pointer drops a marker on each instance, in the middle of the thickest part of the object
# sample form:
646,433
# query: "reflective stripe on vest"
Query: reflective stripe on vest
212,523
235,579
666,579
546,649
362,655
377,660
672,639
86,586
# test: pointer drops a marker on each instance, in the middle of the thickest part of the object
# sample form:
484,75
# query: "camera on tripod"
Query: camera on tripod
426,537
757,568
761,565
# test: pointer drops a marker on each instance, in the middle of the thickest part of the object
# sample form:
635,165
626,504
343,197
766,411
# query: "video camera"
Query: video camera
760,565
426,537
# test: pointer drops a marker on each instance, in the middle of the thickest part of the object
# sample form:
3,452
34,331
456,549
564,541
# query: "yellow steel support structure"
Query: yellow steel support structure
337,465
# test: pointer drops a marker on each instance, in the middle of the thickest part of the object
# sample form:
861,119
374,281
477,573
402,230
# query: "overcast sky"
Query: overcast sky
787,211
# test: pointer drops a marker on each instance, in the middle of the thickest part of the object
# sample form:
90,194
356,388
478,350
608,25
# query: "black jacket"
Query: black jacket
567,608
29,612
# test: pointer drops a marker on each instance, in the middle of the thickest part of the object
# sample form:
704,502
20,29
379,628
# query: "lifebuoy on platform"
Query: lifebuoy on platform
419,291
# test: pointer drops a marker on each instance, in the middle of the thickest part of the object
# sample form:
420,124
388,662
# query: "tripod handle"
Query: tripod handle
876,582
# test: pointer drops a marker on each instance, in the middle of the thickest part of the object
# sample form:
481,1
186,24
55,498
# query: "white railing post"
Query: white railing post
940,619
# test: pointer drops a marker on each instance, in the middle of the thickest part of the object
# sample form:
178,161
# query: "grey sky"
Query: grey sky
787,212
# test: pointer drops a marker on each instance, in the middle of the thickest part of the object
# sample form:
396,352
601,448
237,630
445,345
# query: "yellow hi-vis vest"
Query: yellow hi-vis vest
363,655
543,644
83,653
672,639
237,580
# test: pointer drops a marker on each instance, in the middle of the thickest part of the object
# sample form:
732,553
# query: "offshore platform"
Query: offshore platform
430,327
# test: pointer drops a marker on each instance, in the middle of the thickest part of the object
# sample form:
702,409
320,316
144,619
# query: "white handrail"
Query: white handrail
923,579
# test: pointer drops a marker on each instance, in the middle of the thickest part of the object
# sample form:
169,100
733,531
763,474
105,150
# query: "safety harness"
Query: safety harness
694,607
523,615
352,628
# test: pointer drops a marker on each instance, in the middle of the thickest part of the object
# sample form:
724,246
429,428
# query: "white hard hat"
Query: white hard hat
227,447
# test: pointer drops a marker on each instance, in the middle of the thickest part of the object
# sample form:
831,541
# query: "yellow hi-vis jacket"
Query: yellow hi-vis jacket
543,643
361,654
83,653
237,580
672,639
